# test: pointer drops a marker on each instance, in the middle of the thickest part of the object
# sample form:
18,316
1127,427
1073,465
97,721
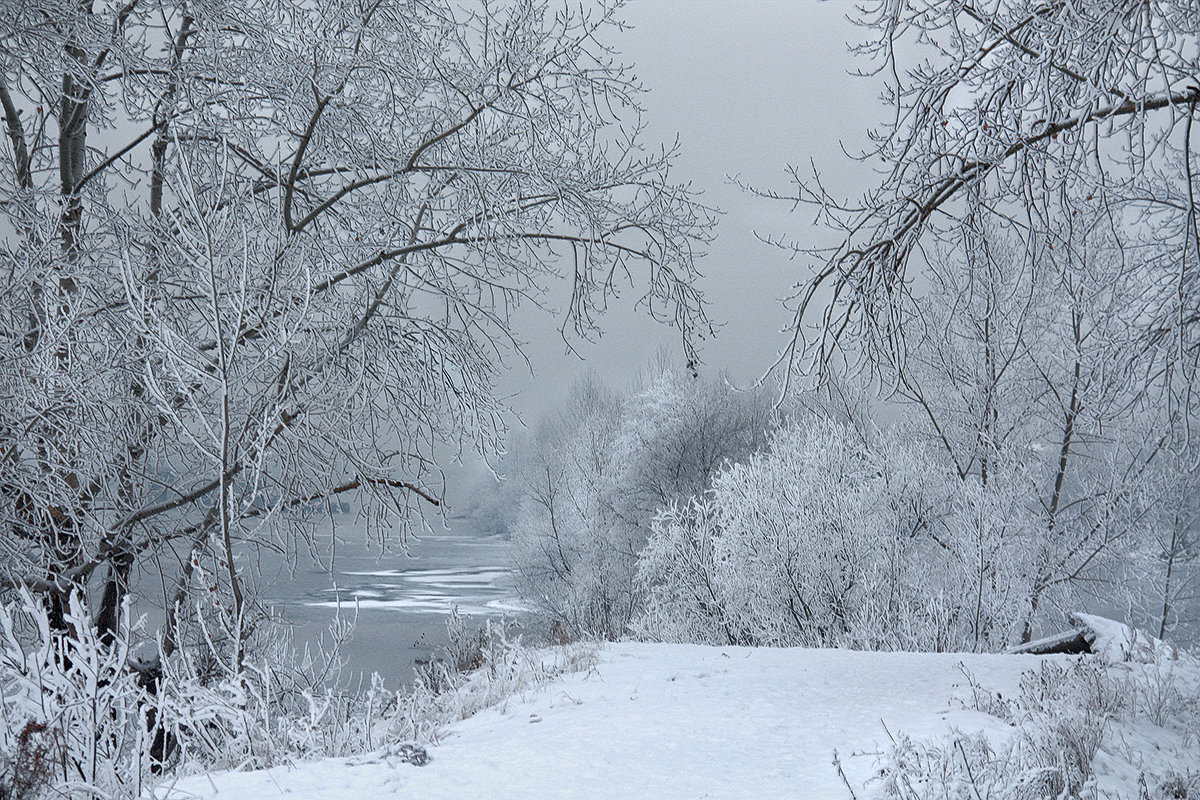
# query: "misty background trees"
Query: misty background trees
590,480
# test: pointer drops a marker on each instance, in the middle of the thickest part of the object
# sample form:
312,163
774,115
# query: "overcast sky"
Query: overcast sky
748,87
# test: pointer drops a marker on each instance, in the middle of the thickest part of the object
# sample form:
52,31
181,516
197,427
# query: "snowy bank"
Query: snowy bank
675,721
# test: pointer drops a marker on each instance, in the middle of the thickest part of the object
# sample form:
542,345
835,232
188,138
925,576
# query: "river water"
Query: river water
402,601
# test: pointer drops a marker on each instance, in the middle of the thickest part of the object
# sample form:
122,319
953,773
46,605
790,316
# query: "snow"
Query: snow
670,721
452,578
427,591
482,576
413,603
1117,642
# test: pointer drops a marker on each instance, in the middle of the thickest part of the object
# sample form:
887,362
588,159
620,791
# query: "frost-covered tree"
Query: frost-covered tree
1036,355
1162,568
1039,112
258,255
595,475
1024,269
565,554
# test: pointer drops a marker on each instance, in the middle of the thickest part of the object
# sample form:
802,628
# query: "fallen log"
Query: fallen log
1114,641
1073,642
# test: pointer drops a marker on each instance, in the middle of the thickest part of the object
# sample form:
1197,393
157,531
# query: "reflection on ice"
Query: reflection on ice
482,577
475,590
412,605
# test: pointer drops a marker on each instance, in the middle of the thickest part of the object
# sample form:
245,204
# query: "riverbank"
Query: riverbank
685,721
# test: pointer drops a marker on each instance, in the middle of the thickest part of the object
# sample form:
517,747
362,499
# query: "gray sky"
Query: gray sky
748,87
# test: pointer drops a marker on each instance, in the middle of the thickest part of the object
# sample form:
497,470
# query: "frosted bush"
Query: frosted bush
498,668
833,536
117,723
1075,729
75,691
686,603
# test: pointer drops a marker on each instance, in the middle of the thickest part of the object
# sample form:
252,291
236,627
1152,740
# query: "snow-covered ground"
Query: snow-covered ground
672,721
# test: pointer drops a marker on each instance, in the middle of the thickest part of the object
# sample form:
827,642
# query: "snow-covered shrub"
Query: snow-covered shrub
498,668
87,717
1085,728
30,767
1060,718
835,536
807,543
280,706
70,703
686,598
467,649
593,478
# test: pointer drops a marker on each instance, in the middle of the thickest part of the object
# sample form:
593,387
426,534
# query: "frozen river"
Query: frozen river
402,600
